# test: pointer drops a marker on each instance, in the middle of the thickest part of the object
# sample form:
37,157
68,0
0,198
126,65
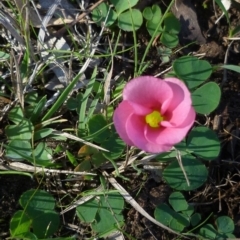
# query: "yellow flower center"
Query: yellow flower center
154,118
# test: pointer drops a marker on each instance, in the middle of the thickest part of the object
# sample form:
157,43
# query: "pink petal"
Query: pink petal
140,109
171,135
180,104
181,92
120,117
149,92
135,128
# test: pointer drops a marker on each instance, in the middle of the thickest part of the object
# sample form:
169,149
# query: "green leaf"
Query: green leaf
164,214
22,131
84,166
19,146
88,91
42,133
234,68
71,158
122,5
43,155
115,146
169,40
206,98
157,14
189,211
62,98
35,117
178,202
107,222
24,66
36,200
147,13
171,24
195,219
4,56
38,206
179,222
98,159
100,13
31,98
88,210
192,70
29,235
225,224
46,224
208,231
75,103
151,27
19,224
235,31
203,142
130,20
112,201
16,115
195,171
153,23
96,123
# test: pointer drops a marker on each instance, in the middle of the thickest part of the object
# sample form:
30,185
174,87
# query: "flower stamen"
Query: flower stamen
154,119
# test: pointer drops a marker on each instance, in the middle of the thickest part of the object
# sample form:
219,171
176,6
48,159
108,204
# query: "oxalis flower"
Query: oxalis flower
155,114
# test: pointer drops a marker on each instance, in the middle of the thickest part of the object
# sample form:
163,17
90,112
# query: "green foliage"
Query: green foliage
4,56
100,13
178,202
225,228
192,70
231,67
22,131
180,216
16,148
175,217
28,130
128,19
195,219
115,146
195,171
122,5
96,123
203,142
165,54
169,32
206,98
153,16
104,212
171,29
38,216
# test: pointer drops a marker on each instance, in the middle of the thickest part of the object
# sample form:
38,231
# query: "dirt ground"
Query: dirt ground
225,120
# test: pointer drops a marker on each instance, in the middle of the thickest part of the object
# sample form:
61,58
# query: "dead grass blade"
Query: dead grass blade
18,166
10,24
67,135
17,81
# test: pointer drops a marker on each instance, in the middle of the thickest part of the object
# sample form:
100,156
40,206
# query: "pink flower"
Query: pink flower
155,114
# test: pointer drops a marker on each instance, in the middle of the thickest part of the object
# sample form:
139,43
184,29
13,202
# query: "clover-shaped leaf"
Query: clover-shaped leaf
122,5
195,171
206,98
192,70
